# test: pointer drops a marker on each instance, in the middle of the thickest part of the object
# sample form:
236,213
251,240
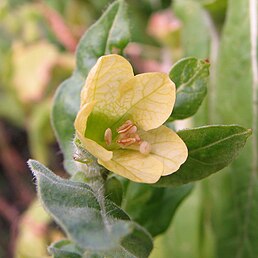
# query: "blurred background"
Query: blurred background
37,44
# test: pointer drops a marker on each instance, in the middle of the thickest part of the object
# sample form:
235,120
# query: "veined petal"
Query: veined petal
103,83
82,117
80,127
95,149
167,147
147,99
134,166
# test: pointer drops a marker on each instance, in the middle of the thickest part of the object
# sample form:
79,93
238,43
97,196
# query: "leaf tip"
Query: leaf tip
34,166
30,164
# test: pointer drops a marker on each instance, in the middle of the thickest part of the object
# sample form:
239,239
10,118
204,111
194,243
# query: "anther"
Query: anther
108,136
145,148
127,141
132,130
128,134
136,137
125,127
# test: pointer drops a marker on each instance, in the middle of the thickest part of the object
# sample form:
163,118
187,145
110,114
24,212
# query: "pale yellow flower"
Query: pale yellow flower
120,121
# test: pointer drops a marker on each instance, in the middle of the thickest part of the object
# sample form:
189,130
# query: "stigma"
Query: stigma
145,148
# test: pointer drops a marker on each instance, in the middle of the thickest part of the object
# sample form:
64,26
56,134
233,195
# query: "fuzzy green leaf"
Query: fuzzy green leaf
110,32
210,148
90,221
156,204
65,249
191,78
121,251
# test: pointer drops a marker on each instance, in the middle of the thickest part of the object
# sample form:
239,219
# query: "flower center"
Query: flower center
128,137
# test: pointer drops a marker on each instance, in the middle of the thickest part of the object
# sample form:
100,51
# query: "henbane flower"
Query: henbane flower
120,121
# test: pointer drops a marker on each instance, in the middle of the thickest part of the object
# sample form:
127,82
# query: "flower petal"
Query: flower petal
82,117
80,127
167,147
103,83
134,166
147,99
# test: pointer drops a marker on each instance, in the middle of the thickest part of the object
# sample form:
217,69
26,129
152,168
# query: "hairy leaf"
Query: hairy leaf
91,222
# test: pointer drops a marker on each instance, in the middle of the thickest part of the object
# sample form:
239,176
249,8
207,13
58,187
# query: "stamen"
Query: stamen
127,134
127,141
132,130
125,127
136,137
130,133
108,136
145,148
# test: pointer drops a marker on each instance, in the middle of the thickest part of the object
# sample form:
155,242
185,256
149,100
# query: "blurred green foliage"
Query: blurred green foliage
223,221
